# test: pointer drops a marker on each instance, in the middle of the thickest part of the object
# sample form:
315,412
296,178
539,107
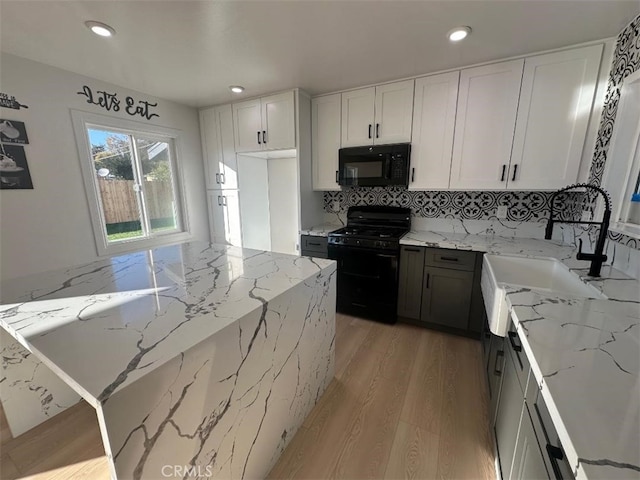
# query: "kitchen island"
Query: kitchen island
200,360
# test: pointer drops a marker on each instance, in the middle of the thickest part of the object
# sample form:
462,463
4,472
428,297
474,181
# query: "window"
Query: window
131,178
622,177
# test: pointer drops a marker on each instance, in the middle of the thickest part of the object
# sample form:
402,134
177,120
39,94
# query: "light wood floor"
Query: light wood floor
405,403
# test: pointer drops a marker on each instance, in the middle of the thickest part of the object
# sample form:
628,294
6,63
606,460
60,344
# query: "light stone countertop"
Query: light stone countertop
321,230
103,325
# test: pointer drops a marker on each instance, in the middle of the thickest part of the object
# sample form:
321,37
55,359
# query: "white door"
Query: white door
393,113
248,126
278,121
228,170
212,161
325,141
485,123
217,227
232,220
553,116
434,117
357,117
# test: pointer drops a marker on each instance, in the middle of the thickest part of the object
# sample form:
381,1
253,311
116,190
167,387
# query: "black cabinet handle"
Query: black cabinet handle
515,169
369,130
512,341
504,170
219,200
555,454
259,142
315,244
450,259
222,178
413,174
224,201
337,175
264,136
499,353
377,130
407,249
428,278
217,178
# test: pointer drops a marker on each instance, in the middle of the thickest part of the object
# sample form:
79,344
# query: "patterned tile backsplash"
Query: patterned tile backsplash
521,206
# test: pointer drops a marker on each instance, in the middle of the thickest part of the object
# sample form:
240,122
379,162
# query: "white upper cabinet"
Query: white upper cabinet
393,113
266,123
485,124
278,122
358,108
553,115
325,141
216,126
224,217
377,115
434,116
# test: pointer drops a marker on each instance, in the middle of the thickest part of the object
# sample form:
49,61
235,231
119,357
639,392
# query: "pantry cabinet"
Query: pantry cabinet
484,126
325,141
556,99
377,115
266,123
434,116
224,217
216,129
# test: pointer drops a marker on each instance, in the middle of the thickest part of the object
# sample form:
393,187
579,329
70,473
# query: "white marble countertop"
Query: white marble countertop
103,325
321,230
584,353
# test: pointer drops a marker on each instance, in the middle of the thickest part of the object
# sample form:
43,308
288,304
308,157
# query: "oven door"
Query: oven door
367,282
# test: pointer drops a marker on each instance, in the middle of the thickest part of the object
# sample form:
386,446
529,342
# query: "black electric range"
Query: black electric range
368,254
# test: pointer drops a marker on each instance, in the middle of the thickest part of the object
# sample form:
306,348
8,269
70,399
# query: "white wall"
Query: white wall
283,204
49,227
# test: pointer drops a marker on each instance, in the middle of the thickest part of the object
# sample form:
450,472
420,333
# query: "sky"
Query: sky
99,137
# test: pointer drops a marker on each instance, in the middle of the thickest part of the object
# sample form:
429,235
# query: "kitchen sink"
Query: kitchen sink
542,274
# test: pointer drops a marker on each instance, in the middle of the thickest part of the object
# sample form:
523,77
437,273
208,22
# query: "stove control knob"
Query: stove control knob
357,242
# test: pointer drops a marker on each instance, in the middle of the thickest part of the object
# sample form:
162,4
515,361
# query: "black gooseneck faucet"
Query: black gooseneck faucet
597,257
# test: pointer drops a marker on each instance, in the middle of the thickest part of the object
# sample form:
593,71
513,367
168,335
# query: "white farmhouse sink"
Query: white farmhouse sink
542,274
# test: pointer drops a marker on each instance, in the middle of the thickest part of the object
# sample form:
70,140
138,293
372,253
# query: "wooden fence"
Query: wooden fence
120,204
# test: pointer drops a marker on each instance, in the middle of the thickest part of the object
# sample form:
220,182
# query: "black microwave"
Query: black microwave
373,166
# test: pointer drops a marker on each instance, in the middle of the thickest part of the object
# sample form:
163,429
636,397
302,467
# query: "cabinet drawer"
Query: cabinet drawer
453,259
313,243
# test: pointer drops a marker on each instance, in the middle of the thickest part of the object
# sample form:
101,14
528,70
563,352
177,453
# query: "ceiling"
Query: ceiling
191,51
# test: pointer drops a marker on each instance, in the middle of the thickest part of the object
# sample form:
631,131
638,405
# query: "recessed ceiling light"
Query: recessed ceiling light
458,33
101,29
236,88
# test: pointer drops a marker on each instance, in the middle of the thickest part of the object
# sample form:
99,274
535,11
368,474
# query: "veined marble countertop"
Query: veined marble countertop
103,325
321,230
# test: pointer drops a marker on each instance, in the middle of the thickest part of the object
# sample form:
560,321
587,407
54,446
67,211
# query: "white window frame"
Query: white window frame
623,159
82,121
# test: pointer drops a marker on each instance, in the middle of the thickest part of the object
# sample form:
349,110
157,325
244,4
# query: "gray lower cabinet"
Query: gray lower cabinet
495,370
446,297
510,407
528,461
313,246
410,282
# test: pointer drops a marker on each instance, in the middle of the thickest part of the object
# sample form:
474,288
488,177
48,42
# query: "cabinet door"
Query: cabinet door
553,116
528,460
224,217
357,117
410,282
434,117
228,164
510,406
393,113
485,122
495,372
209,132
325,141
446,297
248,126
278,121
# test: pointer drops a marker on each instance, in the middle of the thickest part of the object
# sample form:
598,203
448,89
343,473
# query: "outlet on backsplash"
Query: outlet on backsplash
335,206
501,211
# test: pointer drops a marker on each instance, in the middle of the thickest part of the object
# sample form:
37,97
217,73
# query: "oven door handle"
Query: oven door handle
359,275
383,255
